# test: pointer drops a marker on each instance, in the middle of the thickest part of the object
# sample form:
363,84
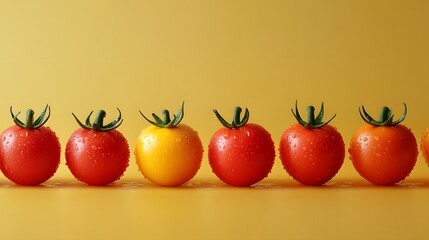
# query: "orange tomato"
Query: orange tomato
425,145
384,154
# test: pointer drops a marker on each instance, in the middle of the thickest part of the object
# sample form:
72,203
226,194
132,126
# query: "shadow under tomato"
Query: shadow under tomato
359,184
337,184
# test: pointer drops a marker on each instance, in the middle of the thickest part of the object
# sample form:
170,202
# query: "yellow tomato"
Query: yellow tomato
169,156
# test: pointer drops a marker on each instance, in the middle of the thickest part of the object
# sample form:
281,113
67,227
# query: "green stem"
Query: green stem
310,115
237,122
312,121
98,121
237,115
30,123
384,114
98,124
29,119
386,117
167,122
167,118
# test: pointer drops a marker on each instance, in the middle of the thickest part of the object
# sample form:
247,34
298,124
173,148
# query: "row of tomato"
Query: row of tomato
169,153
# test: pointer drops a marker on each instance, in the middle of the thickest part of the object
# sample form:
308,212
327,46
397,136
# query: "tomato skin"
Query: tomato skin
241,156
383,155
29,156
97,157
169,156
312,156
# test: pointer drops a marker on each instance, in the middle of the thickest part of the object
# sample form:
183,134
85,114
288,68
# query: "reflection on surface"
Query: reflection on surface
209,209
215,184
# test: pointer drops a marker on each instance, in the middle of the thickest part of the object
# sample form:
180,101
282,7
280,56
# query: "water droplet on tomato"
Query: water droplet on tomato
248,133
376,138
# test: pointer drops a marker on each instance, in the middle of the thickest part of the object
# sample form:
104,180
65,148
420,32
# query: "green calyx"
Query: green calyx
30,123
237,122
167,122
312,121
386,117
98,124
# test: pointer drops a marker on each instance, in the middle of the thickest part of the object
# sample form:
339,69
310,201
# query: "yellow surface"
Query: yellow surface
210,210
81,55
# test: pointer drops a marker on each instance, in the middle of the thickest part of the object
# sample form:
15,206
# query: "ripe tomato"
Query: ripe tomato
241,153
383,152
168,153
97,154
29,152
312,152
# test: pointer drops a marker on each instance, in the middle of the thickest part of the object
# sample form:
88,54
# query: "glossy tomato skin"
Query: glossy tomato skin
97,157
312,156
29,156
169,156
241,156
383,155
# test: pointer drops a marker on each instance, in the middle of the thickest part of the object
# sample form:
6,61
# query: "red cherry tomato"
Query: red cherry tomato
312,152
383,152
241,154
97,154
29,152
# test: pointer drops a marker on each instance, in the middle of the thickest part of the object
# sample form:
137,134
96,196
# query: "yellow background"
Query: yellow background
80,56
